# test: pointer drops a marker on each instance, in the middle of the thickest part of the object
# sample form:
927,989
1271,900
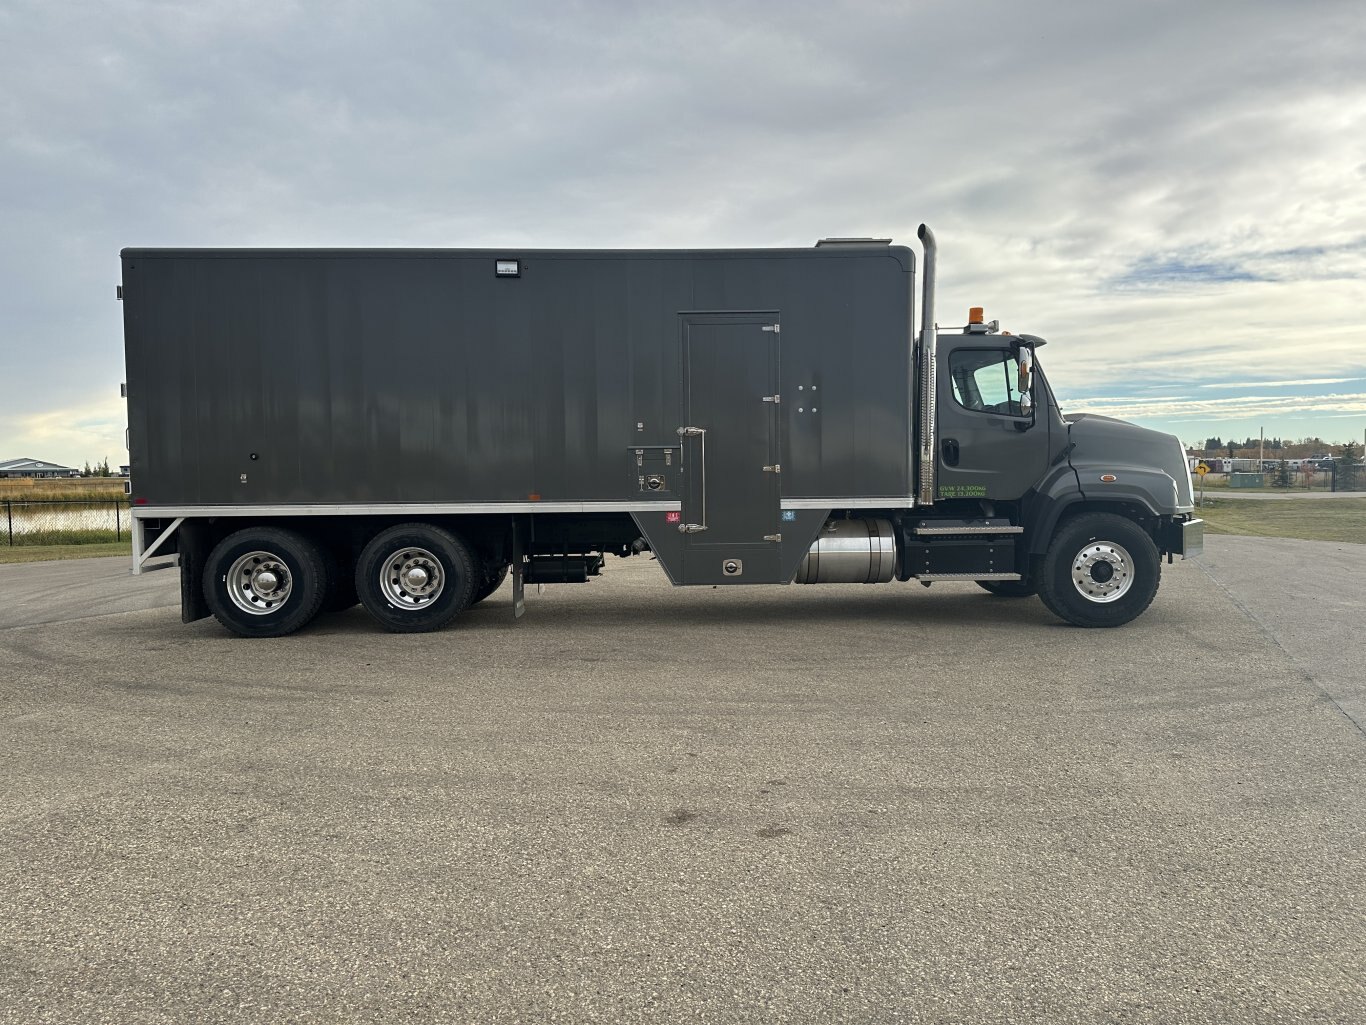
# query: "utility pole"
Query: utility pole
1261,447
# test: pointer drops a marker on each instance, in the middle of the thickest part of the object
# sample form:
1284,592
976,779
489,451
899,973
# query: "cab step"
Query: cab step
967,576
965,528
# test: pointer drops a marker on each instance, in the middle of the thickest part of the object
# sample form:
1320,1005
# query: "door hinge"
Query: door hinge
773,398
775,468
691,528
773,537
775,328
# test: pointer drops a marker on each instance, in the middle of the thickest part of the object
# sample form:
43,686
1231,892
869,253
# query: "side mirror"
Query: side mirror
1026,357
1025,385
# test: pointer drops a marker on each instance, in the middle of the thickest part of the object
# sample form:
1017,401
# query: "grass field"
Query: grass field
70,489
1338,519
44,553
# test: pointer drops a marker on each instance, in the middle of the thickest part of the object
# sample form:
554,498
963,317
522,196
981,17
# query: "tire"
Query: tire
1009,588
1101,570
415,577
493,579
265,582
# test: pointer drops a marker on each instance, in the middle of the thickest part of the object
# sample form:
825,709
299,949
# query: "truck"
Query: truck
407,429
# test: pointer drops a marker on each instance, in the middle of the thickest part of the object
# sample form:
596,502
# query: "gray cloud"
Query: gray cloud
1187,180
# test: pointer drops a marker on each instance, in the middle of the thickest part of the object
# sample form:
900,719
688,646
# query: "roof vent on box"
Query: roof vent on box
853,242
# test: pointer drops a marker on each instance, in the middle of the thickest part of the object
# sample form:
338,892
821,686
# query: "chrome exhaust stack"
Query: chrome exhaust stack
929,371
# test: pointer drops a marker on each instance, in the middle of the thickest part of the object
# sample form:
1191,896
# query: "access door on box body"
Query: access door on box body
729,439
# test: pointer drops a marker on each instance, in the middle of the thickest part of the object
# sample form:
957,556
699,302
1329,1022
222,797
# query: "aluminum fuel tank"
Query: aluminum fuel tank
850,552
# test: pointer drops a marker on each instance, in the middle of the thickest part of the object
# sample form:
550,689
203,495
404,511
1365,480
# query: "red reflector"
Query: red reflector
672,517
139,501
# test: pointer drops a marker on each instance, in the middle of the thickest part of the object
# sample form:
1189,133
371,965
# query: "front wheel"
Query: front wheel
1101,570
415,577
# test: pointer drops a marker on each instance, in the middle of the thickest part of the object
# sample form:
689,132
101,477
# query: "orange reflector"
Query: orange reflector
1108,478
975,315
533,497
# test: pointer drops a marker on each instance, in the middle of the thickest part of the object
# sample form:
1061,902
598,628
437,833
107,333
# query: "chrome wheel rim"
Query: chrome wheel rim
411,578
1103,572
259,583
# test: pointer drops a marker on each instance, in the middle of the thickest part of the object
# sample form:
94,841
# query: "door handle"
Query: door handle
949,448
701,434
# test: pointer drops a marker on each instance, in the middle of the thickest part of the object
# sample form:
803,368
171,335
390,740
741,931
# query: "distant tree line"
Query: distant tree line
98,470
1219,445
1282,448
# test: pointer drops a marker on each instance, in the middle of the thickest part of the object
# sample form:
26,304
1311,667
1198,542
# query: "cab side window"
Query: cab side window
986,381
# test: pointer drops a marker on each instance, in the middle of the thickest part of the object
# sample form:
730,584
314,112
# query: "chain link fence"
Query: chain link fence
39,521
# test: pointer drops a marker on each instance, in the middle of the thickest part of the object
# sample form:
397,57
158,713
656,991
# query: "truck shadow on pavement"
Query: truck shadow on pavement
731,612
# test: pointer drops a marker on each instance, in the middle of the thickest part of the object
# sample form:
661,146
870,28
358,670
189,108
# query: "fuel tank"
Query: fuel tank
850,552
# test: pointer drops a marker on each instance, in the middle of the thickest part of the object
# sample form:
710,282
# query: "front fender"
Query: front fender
1153,490
1043,507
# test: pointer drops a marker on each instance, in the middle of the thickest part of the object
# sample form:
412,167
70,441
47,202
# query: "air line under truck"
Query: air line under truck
408,428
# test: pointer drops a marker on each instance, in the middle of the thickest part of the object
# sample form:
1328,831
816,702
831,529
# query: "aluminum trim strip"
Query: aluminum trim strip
445,508
900,502
402,509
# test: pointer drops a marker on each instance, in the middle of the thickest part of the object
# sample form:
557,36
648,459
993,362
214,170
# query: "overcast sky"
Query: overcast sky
1174,194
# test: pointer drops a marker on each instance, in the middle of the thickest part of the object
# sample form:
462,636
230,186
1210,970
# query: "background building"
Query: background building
34,468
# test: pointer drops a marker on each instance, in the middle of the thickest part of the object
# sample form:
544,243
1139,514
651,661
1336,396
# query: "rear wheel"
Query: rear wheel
1100,570
265,582
415,577
1009,588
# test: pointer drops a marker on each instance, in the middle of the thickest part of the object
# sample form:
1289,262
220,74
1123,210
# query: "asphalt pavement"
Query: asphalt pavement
646,804
1310,599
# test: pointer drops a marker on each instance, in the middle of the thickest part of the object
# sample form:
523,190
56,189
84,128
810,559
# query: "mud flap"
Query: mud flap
193,551
518,568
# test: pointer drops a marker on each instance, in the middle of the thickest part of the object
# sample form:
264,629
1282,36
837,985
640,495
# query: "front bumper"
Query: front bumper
1182,537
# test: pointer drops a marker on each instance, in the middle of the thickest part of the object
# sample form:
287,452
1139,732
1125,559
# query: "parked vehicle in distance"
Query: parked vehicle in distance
408,428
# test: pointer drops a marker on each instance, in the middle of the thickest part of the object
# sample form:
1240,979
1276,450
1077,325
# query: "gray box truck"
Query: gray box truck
407,428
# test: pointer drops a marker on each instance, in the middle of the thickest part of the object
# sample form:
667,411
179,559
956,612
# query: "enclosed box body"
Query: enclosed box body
348,378
406,428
